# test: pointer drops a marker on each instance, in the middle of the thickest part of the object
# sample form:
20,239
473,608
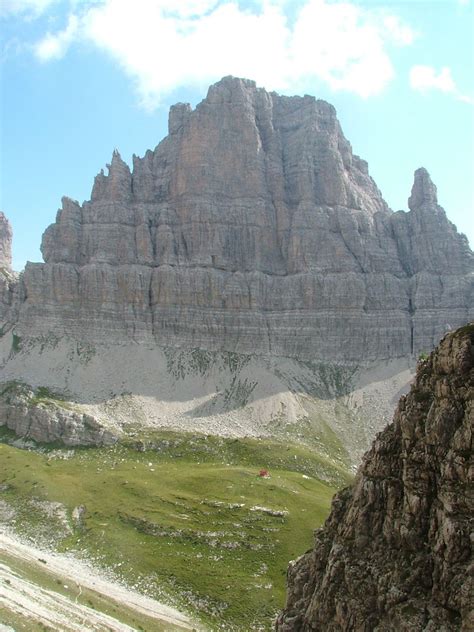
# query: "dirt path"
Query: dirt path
50,608
61,612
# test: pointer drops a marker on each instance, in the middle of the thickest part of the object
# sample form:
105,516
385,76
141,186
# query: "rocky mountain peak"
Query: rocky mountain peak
178,115
5,243
252,220
117,185
423,193
231,88
396,550
9,285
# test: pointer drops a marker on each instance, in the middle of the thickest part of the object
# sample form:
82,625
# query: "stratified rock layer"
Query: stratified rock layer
396,551
41,416
251,228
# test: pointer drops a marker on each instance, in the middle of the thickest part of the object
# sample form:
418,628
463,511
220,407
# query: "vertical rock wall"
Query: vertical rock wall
252,227
9,287
5,243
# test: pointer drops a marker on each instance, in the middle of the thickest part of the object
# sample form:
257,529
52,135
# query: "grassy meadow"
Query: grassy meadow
183,518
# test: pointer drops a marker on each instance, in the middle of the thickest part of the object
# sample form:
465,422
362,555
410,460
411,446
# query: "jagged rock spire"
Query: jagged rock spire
5,242
178,115
117,185
423,192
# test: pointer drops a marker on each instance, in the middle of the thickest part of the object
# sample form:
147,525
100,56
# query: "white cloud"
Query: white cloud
346,46
185,8
401,33
465,98
54,46
165,44
425,78
28,8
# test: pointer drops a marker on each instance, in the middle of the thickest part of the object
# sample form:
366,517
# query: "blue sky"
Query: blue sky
81,78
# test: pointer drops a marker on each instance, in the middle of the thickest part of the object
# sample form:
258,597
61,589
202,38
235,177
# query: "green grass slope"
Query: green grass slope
183,518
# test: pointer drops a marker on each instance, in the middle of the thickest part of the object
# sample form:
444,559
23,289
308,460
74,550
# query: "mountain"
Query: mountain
253,228
227,325
396,550
250,273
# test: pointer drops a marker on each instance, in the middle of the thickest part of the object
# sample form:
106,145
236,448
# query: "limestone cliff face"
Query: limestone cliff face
5,243
396,551
40,416
9,287
437,261
252,227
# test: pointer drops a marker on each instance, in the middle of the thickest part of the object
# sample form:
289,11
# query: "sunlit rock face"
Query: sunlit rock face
396,550
252,227
9,287
5,242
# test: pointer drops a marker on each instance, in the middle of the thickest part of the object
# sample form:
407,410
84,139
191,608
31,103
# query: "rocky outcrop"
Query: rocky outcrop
5,243
9,286
436,259
252,228
396,550
44,417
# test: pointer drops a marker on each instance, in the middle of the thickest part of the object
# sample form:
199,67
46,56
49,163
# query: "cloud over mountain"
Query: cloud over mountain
162,46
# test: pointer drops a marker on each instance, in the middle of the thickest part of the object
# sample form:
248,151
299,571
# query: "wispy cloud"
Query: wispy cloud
426,78
27,8
55,46
164,44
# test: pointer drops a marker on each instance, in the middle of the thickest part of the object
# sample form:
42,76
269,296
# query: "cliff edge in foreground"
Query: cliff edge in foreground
396,551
